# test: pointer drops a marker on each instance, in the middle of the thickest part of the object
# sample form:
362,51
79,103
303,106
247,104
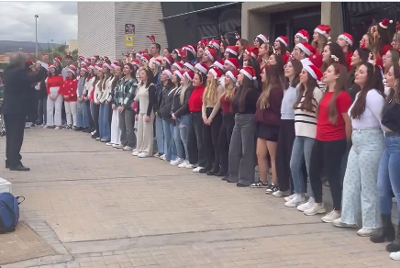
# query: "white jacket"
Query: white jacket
106,94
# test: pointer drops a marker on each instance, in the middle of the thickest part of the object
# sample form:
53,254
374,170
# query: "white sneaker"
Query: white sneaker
395,256
127,148
197,170
310,203
297,200
331,216
93,132
157,155
364,232
143,155
57,128
314,210
135,153
176,162
45,126
290,197
118,146
163,157
281,193
190,166
183,164
109,144
338,223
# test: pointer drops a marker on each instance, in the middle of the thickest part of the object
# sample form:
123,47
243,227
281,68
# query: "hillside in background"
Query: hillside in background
26,46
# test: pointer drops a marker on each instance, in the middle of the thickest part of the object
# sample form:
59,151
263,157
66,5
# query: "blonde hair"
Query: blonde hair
211,92
184,88
229,92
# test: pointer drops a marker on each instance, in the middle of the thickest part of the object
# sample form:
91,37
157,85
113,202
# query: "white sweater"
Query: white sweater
106,94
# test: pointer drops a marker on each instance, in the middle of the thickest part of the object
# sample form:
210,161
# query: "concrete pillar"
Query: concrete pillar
330,15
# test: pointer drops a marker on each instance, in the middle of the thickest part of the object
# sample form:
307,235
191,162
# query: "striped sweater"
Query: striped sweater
305,122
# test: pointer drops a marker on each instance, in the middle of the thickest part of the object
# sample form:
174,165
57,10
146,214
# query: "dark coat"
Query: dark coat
18,89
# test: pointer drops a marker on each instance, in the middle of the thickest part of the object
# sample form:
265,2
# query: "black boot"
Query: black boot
387,233
395,245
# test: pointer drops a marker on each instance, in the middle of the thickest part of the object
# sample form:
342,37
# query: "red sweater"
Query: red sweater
55,82
196,100
69,91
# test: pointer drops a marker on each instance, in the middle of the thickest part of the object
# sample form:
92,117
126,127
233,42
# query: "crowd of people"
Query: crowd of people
324,112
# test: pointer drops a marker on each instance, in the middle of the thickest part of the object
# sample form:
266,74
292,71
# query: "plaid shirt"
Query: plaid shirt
125,93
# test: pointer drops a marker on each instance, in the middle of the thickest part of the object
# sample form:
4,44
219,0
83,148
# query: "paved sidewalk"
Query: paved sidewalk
99,207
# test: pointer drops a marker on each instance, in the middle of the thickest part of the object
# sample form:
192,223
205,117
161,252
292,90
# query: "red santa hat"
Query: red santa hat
191,49
115,64
316,60
252,51
233,75
303,34
98,68
202,43
72,69
201,67
286,58
81,58
107,65
189,75
84,68
347,37
52,66
385,23
306,48
313,71
91,67
215,44
179,73
88,60
215,72
233,50
233,62
105,58
212,54
178,65
136,63
263,38
189,66
178,52
325,30
96,57
168,73
158,62
59,59
168,60
145,58
249,72
283,39
220,64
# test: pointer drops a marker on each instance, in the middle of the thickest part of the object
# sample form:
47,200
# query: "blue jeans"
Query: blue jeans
184,122
178,142
389,175
161,141
170,152
301,152
104,122
82,116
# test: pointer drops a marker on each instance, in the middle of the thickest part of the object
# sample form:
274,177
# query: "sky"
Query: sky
58,21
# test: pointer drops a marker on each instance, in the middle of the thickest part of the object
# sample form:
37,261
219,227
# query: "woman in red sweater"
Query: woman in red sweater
55,100
69,93
195,129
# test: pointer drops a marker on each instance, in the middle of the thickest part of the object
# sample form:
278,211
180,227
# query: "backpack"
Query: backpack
9,212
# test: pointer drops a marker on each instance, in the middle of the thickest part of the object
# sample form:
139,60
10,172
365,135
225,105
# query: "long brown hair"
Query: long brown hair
340,87
274,80
374,81
337,56
308,92
242,91
297,67
320,43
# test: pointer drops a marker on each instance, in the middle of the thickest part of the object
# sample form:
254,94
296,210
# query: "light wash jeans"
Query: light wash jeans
82,120
184,121
301,153
160,138
389,175
177,140
360,192
170,152
104,122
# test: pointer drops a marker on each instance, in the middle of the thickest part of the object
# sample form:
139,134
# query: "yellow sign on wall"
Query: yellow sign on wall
129,40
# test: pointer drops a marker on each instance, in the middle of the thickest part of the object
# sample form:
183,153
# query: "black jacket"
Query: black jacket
18,89
184,109
166,103
160,98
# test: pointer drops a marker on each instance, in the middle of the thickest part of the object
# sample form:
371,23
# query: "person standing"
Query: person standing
69,93
54,100
82,115
17,81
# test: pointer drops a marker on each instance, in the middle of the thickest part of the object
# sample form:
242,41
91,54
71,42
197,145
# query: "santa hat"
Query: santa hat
347,37
316,60
191,49
233,62
115,64
72,69
136,63
233,75
385,23
168,60
83,63
249,72
306,61
105,58
81,58
233,50
306,48
215,43
98,68
212,54
96,57
178,65
215,72
107,65
91,67
180,74
189,66
303,34
31,63
84,68
158,62
52,66
314,71
325,30
252,51
168,73
145,58
189,75
178,52
263,38
283,39
202,43
59,59
201,67
88,60
220,64
286,58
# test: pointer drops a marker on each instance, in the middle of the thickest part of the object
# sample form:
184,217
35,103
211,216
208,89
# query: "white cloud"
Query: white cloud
58,21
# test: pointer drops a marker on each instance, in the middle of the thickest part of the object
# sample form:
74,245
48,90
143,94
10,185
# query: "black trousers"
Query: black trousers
15,126
95,114
91,123
283,155
326,158
195,140
210,139
42,110
224,139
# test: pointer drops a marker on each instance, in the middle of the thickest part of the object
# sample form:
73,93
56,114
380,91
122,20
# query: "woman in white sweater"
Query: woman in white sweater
105,107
